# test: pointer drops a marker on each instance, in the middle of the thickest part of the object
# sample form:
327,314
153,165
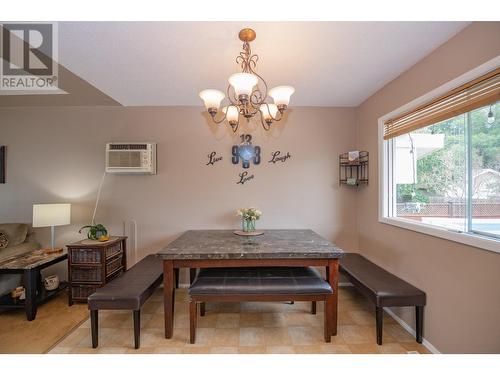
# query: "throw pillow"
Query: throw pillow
16,232
4,240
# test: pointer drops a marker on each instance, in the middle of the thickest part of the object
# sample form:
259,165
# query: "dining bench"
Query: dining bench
127,292
259,284
384,289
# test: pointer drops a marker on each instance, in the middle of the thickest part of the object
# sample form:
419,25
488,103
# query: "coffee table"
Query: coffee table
29,265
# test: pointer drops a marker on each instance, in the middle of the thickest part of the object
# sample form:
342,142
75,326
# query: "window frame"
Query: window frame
385,172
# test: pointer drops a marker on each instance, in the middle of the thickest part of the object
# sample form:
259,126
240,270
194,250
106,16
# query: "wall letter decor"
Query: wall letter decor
276,156
244,177
213,158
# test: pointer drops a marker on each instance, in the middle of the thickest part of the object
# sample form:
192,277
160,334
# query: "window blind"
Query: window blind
472,95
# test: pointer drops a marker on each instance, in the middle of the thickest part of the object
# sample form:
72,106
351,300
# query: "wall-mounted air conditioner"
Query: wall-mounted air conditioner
131,157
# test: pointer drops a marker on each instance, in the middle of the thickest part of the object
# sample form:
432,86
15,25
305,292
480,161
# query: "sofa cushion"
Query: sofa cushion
15,232
4,240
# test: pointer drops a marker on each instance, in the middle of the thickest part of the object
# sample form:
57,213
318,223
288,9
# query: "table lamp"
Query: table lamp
51,215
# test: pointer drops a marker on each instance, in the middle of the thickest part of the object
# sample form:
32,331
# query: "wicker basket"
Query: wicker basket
86,274
84,256
113,265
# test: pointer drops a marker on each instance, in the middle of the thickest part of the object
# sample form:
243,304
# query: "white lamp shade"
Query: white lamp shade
212,98
47,215
243,83
281,94
269,111
232,113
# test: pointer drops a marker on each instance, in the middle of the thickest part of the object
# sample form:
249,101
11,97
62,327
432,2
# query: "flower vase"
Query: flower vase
248,225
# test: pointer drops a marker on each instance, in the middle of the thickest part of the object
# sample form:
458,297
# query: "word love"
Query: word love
244,177
276,157
213,158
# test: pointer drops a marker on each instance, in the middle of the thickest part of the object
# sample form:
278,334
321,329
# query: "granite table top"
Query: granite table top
30,260
273,244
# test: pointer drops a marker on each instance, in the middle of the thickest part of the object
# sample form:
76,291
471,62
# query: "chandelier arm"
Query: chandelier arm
232,99
264,124
272,117
219,121
264,96
254,111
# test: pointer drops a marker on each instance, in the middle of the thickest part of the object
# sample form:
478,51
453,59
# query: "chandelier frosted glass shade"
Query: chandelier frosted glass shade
231,113
247,93
281,95
269,111
243,83
212,98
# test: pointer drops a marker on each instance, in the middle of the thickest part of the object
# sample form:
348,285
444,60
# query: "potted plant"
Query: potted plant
248,218
96,232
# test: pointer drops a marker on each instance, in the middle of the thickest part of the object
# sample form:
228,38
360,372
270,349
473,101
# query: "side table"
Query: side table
29,265
92,264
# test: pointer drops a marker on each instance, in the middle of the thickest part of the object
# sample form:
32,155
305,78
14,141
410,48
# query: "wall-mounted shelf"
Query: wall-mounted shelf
356,169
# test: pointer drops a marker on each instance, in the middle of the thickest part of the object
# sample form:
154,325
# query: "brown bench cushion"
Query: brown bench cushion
259,280
130,290
380,286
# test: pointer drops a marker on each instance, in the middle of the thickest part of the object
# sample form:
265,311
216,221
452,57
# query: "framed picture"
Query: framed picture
2,164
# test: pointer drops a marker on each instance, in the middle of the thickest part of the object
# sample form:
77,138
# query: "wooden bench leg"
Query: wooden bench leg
327,318
202,308
419,320
313,307
379,316
137,328
192,321
94,317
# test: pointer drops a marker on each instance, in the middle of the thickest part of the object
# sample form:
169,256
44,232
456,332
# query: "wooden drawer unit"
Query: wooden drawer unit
92,264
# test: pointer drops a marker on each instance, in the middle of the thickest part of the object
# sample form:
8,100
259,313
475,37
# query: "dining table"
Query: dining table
196,249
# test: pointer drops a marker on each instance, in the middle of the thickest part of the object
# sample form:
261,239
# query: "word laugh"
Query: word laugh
275,157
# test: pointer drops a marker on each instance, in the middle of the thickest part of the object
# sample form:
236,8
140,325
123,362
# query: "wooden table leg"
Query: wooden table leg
168,297
30,277
333,279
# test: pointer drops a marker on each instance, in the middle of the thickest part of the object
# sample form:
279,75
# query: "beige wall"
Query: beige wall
57,155
461,282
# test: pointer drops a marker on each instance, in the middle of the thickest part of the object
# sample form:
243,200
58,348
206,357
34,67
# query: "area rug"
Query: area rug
54,321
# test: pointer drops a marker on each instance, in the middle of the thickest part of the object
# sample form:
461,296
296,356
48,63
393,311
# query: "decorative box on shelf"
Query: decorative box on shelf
353,168
92,264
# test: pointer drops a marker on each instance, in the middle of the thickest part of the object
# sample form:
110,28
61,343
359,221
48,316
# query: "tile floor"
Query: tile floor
245,328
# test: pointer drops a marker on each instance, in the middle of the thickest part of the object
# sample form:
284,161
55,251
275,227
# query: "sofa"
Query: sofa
20,240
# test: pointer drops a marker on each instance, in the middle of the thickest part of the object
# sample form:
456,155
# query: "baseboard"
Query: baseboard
408,328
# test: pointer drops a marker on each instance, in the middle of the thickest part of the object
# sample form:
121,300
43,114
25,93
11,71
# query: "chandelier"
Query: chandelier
247,92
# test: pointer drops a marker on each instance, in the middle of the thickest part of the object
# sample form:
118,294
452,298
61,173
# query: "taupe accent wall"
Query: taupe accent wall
461,282
57,154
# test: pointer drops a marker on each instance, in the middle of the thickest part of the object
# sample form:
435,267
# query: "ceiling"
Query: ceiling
168,63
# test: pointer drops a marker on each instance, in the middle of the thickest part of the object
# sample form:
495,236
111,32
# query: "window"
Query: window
445,174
